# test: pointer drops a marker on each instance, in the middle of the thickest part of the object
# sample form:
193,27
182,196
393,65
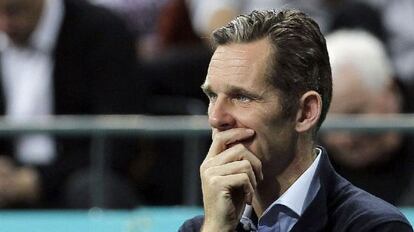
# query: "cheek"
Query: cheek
247,119
268,125
250,119
270,136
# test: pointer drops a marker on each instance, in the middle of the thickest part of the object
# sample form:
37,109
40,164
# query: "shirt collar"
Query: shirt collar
294,198
46,32
248,221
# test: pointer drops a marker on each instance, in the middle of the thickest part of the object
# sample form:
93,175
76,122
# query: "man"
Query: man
374,162
62,57
269,85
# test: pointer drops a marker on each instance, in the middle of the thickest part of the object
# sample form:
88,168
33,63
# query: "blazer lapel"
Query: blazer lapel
315,217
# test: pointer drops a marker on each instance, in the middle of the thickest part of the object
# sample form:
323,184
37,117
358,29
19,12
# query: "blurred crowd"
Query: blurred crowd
79,57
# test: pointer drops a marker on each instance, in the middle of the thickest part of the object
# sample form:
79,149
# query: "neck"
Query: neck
273,186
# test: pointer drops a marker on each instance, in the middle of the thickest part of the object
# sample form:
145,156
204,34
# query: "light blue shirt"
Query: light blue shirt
284,213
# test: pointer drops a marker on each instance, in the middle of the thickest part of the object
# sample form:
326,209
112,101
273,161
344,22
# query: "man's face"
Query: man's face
241,97
359,150
18,18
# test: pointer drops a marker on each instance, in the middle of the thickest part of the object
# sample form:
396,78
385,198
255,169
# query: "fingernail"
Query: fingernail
250,131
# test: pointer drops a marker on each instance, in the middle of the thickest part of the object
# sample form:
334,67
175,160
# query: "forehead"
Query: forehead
242,63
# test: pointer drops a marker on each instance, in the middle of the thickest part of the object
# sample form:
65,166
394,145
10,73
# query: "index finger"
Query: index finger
224,138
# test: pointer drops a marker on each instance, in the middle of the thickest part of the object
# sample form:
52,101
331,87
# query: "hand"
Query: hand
229,176
17,184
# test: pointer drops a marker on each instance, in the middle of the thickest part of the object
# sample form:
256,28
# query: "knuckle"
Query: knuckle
245,177
203,169
206,164
245,165
240,150
218,137
259,165
214,180
208,172
239,147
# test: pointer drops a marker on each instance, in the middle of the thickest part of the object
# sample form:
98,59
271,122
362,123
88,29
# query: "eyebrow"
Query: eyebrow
234,90
231,90
206,88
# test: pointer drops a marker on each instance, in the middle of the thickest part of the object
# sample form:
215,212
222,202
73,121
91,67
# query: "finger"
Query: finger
236,153
241,181
222,139
242,166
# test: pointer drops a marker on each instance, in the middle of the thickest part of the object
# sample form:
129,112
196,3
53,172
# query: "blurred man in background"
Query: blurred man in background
59,57
363,83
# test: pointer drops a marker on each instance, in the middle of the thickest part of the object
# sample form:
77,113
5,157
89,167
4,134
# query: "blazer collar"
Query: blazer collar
315,217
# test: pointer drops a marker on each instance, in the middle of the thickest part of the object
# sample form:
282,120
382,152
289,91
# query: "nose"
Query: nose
220,116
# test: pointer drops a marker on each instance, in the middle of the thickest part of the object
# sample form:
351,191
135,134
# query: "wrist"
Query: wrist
214,227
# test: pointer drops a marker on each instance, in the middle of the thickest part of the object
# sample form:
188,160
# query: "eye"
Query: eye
211,97
242,98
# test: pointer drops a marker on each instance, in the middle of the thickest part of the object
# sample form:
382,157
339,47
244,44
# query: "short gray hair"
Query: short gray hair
363,52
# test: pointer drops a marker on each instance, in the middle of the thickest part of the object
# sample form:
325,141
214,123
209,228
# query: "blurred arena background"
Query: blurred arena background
124,121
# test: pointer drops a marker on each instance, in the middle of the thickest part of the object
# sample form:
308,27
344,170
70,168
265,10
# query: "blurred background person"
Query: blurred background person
161,27
173,59
398,16
141,17
363,83
60,57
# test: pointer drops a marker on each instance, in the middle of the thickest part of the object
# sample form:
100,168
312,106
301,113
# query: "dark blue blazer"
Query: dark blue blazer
338,206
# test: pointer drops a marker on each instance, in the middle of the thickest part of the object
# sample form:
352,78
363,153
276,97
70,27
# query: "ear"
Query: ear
310,108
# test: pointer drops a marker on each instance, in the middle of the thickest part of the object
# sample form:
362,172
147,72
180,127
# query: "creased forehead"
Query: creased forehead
237,57
229,62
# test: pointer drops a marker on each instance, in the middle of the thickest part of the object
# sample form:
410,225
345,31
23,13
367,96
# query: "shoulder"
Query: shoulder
192,225
358,210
